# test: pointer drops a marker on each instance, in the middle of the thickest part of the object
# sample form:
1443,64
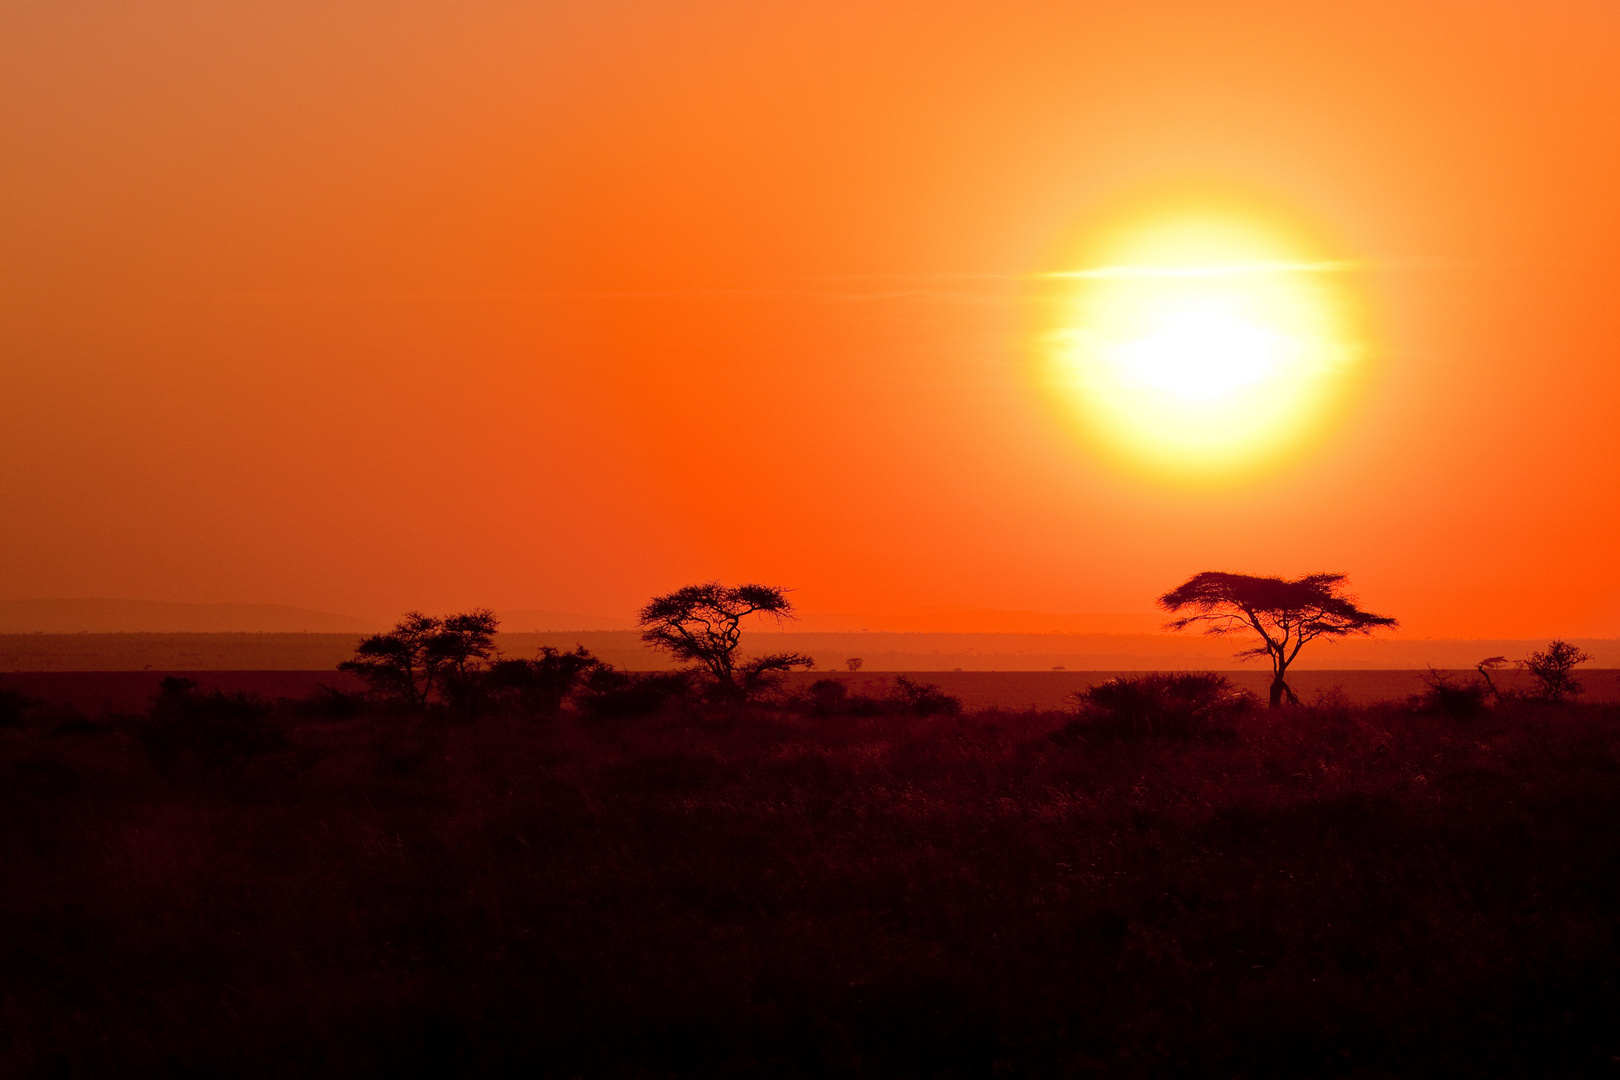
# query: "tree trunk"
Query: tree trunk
1278,689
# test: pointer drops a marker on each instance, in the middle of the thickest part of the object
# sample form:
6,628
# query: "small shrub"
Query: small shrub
611,694
14,705
1332,699
541,686
830,697
330,703
1180,705
207,732
827,697
923,699
1448,697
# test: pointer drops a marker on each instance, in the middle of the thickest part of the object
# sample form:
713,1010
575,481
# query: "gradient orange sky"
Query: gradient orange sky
366,306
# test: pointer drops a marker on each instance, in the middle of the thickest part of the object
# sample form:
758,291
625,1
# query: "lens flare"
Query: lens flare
1205,347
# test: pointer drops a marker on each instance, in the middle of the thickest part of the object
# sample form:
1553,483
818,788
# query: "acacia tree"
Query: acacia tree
425,653
1284,614
462,650
702,624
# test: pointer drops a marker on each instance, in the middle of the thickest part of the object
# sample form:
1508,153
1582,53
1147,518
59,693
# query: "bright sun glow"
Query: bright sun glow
1204,348
1201,352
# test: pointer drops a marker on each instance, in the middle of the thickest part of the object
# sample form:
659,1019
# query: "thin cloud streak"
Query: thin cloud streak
918,283
1214,270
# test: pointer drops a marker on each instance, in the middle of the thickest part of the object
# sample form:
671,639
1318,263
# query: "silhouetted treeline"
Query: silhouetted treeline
450,664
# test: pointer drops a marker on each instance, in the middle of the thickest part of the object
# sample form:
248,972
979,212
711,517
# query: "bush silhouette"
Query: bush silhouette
213,732
831,697
923,699
826,697
540,686
1177,705
1553,669
611,694
331,703
1458,700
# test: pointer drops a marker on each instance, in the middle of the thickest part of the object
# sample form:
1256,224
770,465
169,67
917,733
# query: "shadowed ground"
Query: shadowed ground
1321,891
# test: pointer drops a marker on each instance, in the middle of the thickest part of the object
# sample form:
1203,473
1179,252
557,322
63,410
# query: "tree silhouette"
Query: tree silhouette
1485,667
425,653
461,650
702,624
1554,669
1285,614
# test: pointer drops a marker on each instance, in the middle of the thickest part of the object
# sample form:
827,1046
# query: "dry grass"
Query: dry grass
1331,890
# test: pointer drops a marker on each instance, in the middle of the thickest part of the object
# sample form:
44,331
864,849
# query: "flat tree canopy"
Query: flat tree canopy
1284,614
703,624
425,653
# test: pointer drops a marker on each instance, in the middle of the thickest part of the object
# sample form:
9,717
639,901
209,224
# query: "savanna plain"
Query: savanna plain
602,873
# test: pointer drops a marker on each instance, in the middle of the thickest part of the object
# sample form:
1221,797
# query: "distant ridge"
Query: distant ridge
524,621
102,616
96,615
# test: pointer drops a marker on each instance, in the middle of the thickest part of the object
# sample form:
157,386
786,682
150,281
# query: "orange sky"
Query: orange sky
366,306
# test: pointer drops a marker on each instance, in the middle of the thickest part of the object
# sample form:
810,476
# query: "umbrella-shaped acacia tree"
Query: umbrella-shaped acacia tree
1285,614
703,624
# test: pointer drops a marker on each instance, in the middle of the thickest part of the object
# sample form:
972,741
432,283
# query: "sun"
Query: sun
1204,344
1201,350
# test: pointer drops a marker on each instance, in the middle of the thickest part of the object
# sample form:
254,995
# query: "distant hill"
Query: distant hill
101,616
544,622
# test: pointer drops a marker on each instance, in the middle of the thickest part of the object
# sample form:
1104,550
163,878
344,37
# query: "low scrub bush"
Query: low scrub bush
213,732
14,706
826,697
329,703
831,697
541,686
1447,696
923,699
611,694
1168,705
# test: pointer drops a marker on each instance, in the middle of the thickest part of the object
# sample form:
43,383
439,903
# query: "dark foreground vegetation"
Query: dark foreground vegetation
631,880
